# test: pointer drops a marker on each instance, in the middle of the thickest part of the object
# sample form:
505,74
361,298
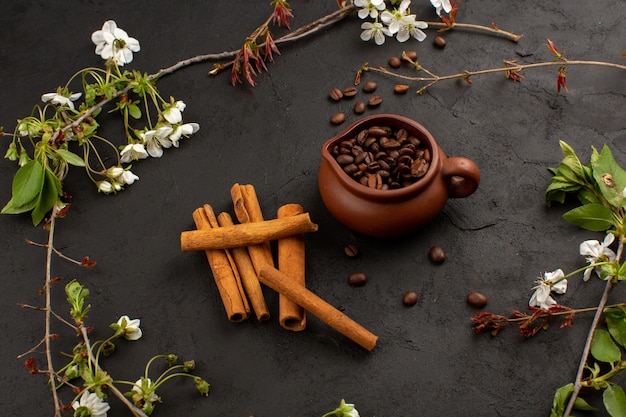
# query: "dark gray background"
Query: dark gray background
428,360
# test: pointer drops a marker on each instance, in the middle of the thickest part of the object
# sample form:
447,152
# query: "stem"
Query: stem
136,411
433,78
512,36
48,312
587,349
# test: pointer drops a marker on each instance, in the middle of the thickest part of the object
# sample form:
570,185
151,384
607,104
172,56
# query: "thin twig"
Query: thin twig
48,312
433,78
592,330
55,250
512,36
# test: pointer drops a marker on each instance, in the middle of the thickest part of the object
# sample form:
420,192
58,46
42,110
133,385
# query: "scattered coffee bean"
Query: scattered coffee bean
395,62
476,299
335,94
357,279
439,42
369,87
383,158
409,56
349,92
400,88
359,107
338,118
410,298
374,101
351,251
437,255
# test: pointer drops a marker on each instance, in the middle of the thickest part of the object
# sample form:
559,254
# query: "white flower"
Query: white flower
551,281
113,42
60,99
105,187
156,140
128,328
594,251
411,27
127,177
173,114
369,8
376,31
441,4
183,130
90,404
133,152
145,390
394,19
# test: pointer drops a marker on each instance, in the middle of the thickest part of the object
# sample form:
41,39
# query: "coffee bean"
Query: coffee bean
409,56
335,94
357,279
395,62
351,251
349,92
400,88
369,87
338,118
374,101
439,42
359,107
410,298
476,299
437,255
382,158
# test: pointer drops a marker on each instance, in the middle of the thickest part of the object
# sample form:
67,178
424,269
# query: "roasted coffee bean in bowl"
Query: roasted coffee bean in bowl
386,176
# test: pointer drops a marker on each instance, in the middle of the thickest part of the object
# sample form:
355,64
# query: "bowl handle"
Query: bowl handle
461,175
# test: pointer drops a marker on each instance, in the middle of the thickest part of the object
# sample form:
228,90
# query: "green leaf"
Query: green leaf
609,176
587,197
10,208
616,323
614,401
47,198
571,159
134,111
71,158
594,217
580,404
560,399
603,348
27,183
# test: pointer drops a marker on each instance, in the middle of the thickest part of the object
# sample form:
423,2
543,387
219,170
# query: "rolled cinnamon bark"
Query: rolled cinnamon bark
291,258
248,275
297,293
247,234
248,210
227,285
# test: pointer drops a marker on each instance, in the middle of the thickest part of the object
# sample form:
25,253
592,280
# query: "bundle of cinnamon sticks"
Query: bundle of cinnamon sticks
240,258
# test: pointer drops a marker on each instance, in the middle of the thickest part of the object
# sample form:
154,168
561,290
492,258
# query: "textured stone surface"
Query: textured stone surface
428,360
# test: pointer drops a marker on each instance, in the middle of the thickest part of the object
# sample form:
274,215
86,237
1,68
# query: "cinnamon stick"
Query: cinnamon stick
291,316
248,275
300,295
248,210
246,234
229,289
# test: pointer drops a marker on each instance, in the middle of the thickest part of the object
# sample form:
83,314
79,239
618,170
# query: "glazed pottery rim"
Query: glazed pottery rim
395,121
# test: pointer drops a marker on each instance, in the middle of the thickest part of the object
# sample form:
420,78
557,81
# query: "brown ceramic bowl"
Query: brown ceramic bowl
394,212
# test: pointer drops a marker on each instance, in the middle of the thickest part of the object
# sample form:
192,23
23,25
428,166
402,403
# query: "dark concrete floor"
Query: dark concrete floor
428,360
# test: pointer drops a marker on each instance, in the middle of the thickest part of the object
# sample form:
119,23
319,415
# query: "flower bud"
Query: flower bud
72,372
202,386
12,153
189,366
105,187
148,408
171,359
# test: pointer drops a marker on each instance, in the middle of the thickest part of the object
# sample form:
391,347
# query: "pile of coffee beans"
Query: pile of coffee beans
383,158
